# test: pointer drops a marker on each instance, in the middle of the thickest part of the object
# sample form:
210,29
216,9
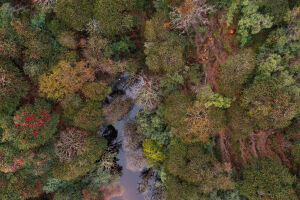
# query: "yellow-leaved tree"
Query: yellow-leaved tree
64,79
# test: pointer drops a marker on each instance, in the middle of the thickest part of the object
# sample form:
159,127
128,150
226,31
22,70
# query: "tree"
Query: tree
96,91
266,179
151,126
21,186
83,162
164,50
12,87
11,159
195,126
177,189
252,19
71,105
33,125
271,101
34,69
227,195
218,101
89,117
114,17
239,122
75,13
94,51
67,39
235,73
192,164
148,95
153,152
64,79
71,141
155,30
9,43
165,56
175,108
191,13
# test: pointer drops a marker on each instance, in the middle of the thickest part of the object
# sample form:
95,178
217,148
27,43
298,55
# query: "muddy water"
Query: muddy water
129,179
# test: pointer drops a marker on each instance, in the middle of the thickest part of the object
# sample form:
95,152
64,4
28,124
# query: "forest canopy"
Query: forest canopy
201,97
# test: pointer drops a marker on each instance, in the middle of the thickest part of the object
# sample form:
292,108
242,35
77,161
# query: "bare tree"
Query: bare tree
70,142
45,3
190,13
145,89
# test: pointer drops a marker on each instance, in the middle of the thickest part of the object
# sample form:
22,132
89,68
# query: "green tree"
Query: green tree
251,21
151,125
12,87
9,43
272,101
74,13
218,101
235,73
239,122
177,189
34,69
96,91
71,105
164,50
192,164
165,56
266,179
114,17
175,108
89,117
83,161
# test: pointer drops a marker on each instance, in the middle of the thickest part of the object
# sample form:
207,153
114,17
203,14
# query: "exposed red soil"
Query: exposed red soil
224,146
214,46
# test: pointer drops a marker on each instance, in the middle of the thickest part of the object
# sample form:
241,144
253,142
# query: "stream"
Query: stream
129,179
